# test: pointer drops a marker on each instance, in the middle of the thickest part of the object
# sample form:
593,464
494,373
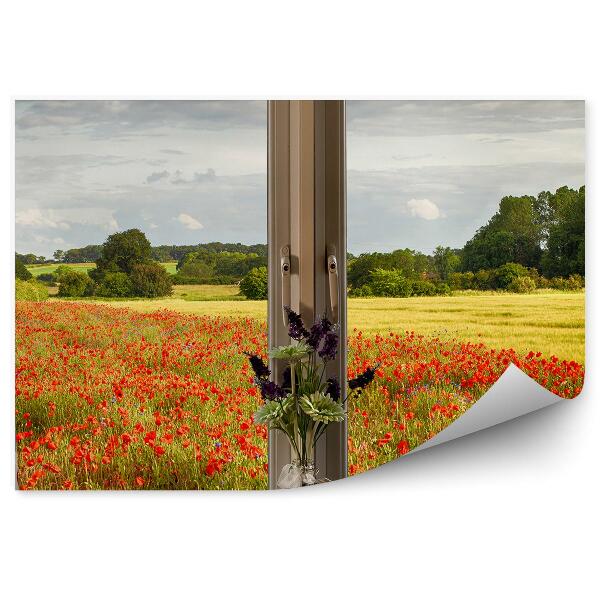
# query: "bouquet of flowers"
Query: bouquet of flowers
304,405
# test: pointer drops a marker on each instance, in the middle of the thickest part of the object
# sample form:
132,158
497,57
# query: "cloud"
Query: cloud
112,225
209,176
424,209
411,156
189,222
447,117
157,176
130,118
171,151
34,217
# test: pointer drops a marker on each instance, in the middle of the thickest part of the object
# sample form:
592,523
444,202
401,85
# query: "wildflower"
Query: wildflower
318,332
269,390
296,329
362,380
403,447
258,366
330,344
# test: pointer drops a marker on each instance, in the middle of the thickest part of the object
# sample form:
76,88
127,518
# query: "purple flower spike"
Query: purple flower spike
270,390
362,380
258,366
296,329
318,331
328,350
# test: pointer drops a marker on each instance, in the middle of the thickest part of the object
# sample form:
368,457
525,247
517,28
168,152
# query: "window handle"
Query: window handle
332,269
286,297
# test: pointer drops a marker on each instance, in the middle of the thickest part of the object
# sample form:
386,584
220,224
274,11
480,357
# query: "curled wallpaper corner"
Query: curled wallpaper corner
513,395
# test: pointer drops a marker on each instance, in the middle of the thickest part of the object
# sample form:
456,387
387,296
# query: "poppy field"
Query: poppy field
112,398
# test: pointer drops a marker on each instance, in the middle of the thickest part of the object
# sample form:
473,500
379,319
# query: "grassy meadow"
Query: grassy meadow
547,321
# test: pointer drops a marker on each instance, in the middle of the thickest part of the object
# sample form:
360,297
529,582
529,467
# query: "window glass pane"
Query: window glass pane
145,224
466,235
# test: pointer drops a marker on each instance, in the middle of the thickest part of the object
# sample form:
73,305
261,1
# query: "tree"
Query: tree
86,254
565,253
59,255
74,284
61,271
507,273
522,285
514,234
423,288
21,271
255,284
28,259
391,283
115,285
445,261
122,250
150,280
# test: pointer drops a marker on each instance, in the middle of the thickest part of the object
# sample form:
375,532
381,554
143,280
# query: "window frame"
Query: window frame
307,214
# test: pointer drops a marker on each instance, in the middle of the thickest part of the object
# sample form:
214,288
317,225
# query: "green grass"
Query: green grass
204,293
548,322
84,267
36,270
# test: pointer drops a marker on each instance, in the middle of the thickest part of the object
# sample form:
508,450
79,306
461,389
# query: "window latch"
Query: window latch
285,282
332,269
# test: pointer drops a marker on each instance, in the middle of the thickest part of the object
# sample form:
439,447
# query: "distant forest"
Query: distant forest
163,253
530,242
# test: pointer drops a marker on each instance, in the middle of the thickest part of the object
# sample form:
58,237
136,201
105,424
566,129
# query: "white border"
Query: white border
507,513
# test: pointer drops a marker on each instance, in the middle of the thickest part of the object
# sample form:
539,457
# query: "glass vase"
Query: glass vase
304,457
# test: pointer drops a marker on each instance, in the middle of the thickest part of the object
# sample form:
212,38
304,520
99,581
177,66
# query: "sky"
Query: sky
420,173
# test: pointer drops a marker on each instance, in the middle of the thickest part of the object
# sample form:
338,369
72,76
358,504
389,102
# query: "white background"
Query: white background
507,513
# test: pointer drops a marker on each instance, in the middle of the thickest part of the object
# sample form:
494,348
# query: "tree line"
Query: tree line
164,253
530,242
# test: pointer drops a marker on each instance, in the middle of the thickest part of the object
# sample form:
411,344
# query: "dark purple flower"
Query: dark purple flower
363,380
333,388
269,390
318,331
286,377
329,348
296,329
258,366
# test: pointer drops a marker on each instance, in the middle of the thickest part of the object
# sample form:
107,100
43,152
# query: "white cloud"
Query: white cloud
189,222
34,217
112,224
424,209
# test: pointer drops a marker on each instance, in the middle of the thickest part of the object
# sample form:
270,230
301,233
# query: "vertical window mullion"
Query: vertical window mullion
307,212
